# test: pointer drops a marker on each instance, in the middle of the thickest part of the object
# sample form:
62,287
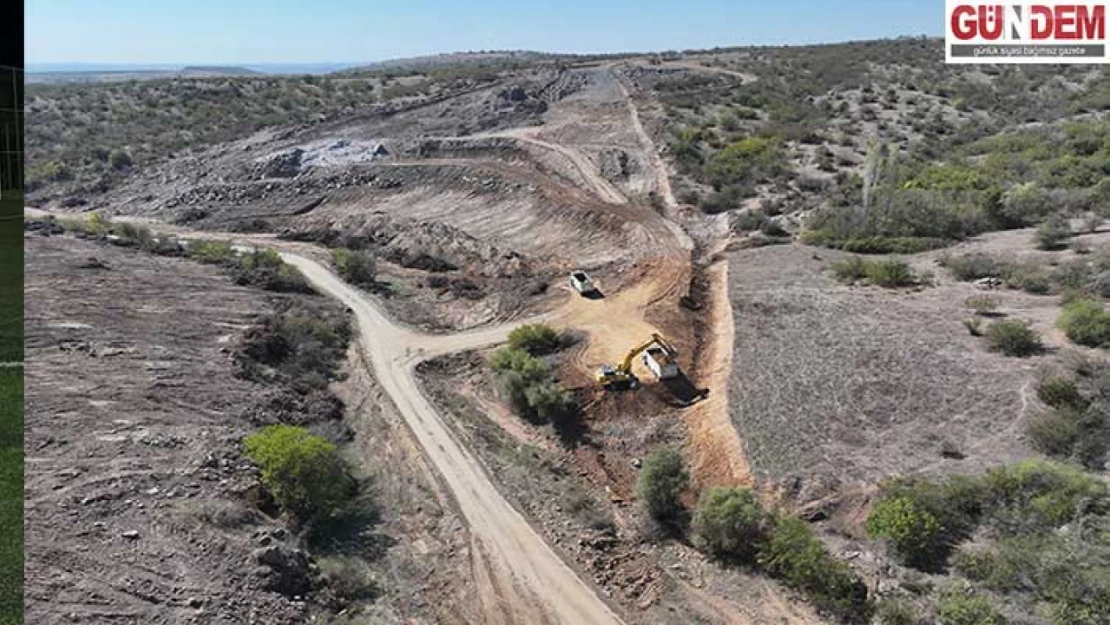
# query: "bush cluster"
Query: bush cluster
358,267
1085,322
536,338
262,268
303,472
300,343
1088,278
660,483
1076,425
731,525
530,388
1041,520
889,273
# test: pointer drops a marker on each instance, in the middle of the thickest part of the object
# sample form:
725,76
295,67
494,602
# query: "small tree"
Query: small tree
795,555
303,472
730,524
355,266
535,338
1085,322
914,534
118,160
959,607
660,483
1014,338
1054,233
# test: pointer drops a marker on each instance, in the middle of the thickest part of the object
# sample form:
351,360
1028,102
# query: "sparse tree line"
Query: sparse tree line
258,267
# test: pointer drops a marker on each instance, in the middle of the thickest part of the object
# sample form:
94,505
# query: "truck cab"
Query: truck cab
582,282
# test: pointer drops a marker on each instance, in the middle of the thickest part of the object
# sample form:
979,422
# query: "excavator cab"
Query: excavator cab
613,379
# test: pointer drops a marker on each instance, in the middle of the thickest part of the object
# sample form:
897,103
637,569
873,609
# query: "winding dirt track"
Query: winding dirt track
546,587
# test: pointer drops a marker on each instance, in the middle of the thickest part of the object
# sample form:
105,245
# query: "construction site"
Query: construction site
545,196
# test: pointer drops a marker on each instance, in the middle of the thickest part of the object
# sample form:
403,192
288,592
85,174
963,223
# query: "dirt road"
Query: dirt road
586,170
540,587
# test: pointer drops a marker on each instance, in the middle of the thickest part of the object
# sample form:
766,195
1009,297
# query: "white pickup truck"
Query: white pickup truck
581,282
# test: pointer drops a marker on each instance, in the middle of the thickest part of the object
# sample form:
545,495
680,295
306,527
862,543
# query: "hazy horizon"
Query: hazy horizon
289,32
94,66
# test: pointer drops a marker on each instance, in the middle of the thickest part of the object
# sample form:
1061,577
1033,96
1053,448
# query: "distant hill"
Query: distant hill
221,70
491,58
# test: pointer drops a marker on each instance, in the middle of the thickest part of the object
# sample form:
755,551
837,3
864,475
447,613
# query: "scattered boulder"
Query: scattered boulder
284,164
284,570
92,263
988,283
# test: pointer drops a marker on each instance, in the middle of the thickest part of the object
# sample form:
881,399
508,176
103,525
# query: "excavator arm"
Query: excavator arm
621,375
656,339
626,364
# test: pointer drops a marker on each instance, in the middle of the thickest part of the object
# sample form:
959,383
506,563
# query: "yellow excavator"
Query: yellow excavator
660,358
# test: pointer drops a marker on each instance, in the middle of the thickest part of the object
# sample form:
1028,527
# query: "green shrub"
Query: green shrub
890,273
548,401
535,338
959,607
527,384
1025,205
355,266
1014,338
662,479
796,556
118,159
532,369
982,304
303,472
211,252
349,578
851,269
970,267
914,534
1034,496
1054,432
894,612
1054,233
730,524
1085,322
747,161
1060,392
892,245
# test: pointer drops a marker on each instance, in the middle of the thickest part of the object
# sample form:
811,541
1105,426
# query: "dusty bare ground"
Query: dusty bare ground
841,385
133,419
139,505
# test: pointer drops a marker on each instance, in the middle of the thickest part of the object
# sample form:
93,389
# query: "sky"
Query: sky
245,32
